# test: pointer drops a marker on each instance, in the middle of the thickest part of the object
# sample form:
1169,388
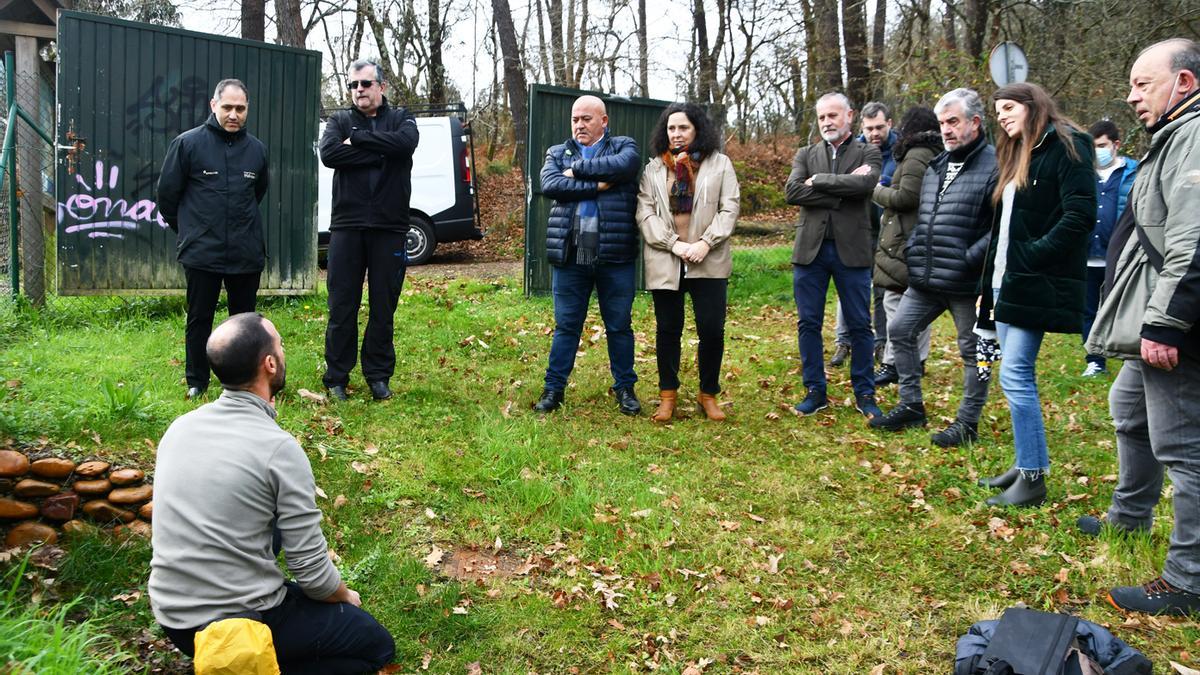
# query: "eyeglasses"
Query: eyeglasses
355,84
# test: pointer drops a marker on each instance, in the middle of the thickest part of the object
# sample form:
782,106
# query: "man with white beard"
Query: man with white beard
832,181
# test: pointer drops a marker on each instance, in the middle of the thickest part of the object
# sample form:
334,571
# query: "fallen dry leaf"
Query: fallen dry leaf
321,493
878,670
730,525
426,659
1183,670
1062,575
340,501
435,557
360,467
311,396
370,449
773,563
474,669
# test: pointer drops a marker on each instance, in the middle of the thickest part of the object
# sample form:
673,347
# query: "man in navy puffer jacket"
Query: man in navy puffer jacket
592,242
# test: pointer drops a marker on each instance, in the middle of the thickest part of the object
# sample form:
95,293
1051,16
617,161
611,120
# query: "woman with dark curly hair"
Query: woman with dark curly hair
1037,263
687,208
920,141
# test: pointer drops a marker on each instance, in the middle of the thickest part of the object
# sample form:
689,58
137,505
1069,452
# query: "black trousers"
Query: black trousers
708,304
381,257
203,291
316,637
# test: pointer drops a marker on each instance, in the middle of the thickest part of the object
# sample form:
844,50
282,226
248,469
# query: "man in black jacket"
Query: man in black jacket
212,181
945,260
592,242
370,148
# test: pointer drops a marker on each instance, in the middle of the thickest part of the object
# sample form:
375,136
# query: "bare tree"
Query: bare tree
643,51
514,77
854,32
437,72
289,22
254,18
878,56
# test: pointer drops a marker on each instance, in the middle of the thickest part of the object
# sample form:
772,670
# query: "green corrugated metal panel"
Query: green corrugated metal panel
127,89
550,124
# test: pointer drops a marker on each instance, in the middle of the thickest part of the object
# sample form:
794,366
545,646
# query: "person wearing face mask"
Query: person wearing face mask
688,204
1033,276
1148,319
1114,180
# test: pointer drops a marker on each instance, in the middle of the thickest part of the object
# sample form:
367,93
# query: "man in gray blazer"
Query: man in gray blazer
832,181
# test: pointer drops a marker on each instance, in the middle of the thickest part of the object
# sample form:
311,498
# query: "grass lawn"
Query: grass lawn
478,531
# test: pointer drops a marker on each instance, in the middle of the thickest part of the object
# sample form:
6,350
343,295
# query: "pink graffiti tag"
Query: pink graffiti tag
100,216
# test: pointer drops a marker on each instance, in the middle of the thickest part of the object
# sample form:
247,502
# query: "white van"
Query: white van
444,204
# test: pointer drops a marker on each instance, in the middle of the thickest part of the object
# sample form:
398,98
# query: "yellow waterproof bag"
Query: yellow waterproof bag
235,647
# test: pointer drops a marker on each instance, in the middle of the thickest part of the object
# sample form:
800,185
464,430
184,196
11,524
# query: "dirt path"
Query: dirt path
441,268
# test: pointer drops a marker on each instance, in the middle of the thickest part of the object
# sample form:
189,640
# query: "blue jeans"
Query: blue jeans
572,286
1018,379
810,285
1091,303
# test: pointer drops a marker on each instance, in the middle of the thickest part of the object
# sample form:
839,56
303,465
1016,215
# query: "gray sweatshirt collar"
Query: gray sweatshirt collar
245,397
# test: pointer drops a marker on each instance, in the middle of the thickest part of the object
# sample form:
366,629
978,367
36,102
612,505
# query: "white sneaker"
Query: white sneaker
1094,370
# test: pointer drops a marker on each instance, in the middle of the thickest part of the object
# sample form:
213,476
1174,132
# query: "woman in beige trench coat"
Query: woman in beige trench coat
687,208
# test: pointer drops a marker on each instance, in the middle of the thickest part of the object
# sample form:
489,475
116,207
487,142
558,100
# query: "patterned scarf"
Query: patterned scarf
685,179
587,216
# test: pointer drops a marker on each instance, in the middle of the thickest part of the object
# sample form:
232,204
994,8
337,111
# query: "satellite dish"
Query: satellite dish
1008,64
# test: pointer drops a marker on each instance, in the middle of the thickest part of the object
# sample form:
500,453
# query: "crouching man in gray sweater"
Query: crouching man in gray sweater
226,478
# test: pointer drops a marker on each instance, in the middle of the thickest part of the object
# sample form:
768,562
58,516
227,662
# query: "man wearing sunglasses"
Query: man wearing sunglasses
370,148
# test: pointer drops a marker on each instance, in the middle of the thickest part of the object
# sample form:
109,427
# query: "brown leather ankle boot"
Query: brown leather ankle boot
666,406
711,409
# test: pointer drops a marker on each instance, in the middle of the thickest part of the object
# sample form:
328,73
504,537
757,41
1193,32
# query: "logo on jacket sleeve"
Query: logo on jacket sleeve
206,172
249,174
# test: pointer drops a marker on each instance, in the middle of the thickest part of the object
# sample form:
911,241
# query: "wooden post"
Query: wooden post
29,174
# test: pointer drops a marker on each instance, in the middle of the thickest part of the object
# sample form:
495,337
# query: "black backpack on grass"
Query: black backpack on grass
1029,642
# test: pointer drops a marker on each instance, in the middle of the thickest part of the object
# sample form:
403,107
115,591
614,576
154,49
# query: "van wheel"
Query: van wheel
421,241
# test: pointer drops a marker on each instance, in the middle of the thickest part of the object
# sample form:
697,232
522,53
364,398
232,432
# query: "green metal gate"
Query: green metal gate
125,90
550,124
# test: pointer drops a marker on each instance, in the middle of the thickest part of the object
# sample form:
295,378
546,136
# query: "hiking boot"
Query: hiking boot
814,401
867,406
840,353
956,435
901,417
1024,491
627,401
1094,370
887,374
549,402
1155,597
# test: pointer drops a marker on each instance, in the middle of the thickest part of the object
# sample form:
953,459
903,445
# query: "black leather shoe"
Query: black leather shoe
379,390
338,392
549,402
901,417
1093,526
627,401
887,374
1156,597
194,393
1023,492
1002,481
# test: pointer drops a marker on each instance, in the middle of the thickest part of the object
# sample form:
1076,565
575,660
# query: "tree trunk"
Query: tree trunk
254,18
854,28
514,78
437,72
543,56
825,50
291,26
949,25
878,57
977,18
554,9
700,49
643,51
581,59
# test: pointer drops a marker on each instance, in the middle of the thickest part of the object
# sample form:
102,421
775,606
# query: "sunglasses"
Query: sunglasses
355,84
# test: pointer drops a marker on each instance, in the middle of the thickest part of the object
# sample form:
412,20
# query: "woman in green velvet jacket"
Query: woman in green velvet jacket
1036,268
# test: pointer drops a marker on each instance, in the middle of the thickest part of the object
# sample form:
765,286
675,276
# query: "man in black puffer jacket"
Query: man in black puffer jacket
212,180
945,259
592,242
370,148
